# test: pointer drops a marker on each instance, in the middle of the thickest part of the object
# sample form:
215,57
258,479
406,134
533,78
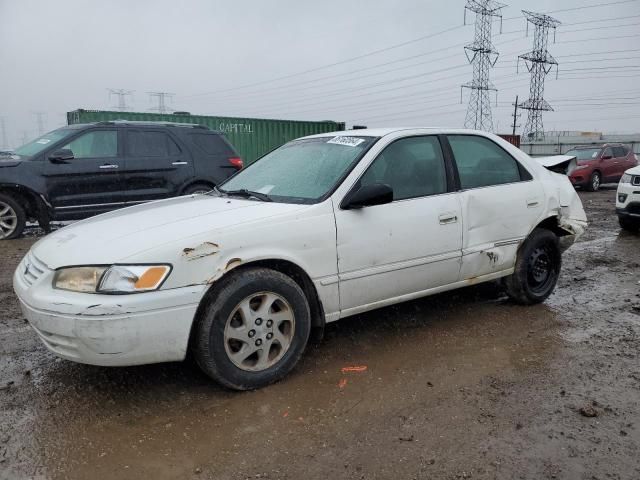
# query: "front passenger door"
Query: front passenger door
398,250
90,182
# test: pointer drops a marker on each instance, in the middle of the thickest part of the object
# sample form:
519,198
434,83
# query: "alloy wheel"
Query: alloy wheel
8,220
259,331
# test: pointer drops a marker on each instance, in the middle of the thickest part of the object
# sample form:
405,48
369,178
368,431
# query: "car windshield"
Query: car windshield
302,171
584,154
39,144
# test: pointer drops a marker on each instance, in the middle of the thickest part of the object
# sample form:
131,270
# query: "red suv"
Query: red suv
598,164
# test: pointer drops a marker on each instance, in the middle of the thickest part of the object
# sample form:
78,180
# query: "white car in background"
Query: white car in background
628,200
322,228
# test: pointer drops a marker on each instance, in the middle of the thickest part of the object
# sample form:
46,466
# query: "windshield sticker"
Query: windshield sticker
346,141
43,141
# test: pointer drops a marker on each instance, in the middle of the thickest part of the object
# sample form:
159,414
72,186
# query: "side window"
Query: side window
96,144
142,143
211,144
412,167
607,153
619,152
482,163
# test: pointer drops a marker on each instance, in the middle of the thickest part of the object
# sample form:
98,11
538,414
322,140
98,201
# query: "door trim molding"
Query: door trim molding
392,267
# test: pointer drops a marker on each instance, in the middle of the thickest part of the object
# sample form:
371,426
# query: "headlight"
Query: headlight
626,178
114,279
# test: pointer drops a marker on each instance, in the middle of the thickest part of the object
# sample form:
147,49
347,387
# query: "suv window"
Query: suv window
95,144
608,152
482,163
412,167
142,143
619,152
211,144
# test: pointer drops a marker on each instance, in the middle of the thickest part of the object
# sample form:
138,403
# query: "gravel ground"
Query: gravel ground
462,385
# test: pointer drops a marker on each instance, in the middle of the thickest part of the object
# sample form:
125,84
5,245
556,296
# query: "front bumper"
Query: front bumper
628,201
108,330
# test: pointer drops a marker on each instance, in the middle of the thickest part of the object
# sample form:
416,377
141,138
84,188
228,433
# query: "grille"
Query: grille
636,180
31,269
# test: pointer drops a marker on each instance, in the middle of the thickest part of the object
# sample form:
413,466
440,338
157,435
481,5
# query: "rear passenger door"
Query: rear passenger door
155,165
501,202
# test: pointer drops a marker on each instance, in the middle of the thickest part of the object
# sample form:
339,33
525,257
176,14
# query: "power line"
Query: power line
40,122
341,62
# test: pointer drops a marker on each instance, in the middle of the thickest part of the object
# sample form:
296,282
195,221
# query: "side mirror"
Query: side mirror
367,196
607,157
61,156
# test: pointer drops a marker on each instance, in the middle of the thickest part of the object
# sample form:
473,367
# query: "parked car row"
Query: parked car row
82,170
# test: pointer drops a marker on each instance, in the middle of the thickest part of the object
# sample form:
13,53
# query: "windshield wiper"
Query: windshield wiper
243,192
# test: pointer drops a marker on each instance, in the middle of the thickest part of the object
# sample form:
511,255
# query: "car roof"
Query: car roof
135,123
381,132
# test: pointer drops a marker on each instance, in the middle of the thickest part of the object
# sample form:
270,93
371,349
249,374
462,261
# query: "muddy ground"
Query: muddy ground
462,385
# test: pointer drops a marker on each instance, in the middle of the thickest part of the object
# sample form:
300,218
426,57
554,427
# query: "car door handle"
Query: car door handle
447,218
180,163
108,166
532,203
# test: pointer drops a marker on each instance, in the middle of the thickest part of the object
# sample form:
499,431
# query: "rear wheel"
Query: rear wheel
537,269
629,224
594,182
12,217
253,329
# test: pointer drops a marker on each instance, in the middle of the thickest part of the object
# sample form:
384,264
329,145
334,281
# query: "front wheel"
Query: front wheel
537,269
253,329
13,218
594,182
629,224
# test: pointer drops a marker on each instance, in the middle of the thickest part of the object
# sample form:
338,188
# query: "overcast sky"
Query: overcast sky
227,58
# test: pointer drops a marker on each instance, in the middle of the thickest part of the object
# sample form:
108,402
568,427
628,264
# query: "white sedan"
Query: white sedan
322,228
628,200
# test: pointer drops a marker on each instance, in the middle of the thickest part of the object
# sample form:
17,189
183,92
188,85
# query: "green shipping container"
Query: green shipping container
252,137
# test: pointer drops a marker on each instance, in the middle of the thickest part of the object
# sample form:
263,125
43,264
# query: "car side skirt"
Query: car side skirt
422,293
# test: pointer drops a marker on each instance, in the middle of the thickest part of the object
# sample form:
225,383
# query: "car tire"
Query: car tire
197,189
594,182
537,269
13,218
252,329
629,224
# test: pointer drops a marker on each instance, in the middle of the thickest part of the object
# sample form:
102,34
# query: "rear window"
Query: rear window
151,144
211,144
584,154
619,152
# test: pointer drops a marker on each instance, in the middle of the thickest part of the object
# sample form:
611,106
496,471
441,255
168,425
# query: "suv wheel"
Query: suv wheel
594,182
537,269
629,224
252,330
12,217
197,189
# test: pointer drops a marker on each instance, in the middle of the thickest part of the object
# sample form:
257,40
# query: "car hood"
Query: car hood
634,170
119,236
10,161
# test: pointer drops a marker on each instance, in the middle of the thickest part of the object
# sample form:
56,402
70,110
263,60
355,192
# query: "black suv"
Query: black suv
82,170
